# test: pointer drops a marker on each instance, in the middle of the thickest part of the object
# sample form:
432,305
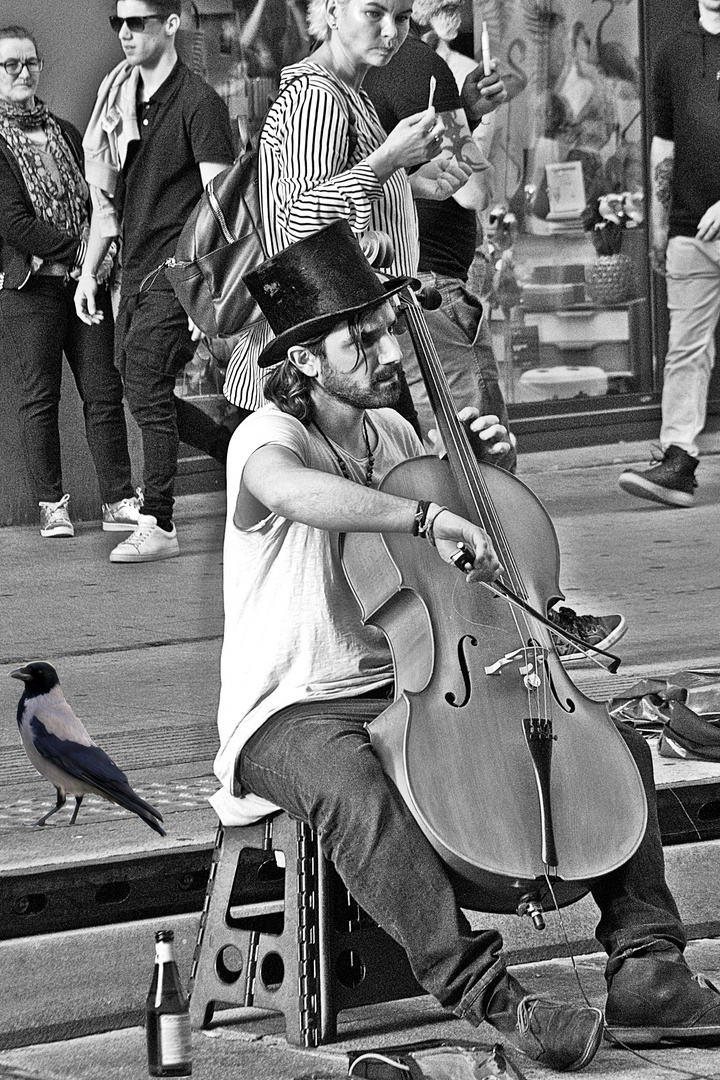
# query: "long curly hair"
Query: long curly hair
291,389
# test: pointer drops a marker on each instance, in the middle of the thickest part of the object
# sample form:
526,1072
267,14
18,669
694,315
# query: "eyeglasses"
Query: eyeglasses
135,23
14,67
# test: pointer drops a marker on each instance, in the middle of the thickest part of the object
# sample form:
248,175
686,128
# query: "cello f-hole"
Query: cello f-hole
465,671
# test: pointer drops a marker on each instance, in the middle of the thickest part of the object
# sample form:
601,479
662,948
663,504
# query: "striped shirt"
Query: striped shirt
312,171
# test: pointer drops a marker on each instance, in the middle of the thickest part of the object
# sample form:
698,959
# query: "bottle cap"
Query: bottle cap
165,935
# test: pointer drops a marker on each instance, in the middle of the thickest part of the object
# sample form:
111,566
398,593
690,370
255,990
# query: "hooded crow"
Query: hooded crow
62,751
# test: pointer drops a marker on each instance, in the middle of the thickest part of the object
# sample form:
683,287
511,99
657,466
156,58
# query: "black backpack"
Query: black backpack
221,241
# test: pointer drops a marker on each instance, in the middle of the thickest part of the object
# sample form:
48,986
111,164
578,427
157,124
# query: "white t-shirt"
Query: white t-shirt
293,630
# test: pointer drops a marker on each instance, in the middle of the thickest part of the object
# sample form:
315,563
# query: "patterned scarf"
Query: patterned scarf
58,195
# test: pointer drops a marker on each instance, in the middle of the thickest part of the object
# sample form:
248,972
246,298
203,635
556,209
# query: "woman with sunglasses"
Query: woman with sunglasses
43,220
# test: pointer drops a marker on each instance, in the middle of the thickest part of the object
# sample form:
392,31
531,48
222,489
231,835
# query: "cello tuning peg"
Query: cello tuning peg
377,247
429,298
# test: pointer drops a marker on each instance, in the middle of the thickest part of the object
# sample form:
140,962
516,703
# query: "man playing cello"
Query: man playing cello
302,674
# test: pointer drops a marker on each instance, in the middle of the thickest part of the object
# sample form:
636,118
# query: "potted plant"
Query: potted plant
611,279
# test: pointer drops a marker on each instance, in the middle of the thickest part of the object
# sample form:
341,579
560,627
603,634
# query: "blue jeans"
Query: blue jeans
315,760
37,325
464,346
152,346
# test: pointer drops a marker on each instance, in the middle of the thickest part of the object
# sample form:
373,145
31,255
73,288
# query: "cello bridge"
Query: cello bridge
529,658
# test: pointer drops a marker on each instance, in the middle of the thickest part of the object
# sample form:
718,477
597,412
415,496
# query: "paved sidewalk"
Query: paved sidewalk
137,649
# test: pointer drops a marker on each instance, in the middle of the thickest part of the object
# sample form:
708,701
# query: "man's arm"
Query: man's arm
275,480
662,157
86,290
481,94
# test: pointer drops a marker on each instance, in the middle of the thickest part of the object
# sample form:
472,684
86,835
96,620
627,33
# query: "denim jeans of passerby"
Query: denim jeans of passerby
464,346
693,299
152,346
37,325
315,760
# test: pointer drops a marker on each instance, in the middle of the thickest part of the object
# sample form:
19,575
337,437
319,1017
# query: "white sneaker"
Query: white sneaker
122,515
55,519
147,543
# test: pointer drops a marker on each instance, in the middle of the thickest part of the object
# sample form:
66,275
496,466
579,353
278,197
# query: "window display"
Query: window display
567,280
563,271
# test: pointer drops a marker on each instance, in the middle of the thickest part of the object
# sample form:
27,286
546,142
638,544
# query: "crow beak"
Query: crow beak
21,673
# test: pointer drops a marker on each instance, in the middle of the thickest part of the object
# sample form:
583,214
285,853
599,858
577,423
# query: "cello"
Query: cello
522,784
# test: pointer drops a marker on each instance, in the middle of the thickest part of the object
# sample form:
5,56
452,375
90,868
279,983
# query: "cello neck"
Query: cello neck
463,462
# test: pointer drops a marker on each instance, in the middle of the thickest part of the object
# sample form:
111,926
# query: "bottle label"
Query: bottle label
175,1039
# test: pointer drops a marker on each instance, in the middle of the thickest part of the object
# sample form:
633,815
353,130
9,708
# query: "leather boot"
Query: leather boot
565,1037
655,998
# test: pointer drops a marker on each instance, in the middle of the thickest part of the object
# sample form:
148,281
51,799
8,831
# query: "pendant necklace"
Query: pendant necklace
369,467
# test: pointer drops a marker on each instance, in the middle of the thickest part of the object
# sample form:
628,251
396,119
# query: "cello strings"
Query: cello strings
466,461
486,513
480,494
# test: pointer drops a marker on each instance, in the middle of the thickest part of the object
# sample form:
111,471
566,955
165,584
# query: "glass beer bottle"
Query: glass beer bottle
167,1015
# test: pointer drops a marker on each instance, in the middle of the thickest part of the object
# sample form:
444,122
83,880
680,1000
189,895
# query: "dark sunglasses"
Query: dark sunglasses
135,23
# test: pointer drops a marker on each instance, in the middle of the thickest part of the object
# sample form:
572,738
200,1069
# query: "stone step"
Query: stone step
82,981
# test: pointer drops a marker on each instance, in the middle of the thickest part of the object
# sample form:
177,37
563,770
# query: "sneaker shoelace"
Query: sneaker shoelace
136,501
524,1014
141,533
58,513
579,625
584,625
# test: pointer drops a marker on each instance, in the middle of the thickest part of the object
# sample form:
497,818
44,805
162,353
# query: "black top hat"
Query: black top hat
309,287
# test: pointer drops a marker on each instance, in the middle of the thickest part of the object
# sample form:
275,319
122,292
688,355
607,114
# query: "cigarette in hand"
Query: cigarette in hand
433,84
485,45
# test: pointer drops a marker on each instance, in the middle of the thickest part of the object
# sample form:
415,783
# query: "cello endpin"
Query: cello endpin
530,905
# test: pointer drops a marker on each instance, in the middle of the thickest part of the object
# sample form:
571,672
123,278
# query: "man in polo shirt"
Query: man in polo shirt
157,135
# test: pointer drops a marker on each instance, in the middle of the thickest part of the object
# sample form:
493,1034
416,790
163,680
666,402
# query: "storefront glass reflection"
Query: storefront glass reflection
566,279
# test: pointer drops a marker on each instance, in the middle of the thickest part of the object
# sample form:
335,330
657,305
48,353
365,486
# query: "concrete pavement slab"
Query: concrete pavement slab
137,648
246,1045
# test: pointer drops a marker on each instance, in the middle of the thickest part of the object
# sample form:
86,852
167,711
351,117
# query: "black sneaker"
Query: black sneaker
670,481
600,630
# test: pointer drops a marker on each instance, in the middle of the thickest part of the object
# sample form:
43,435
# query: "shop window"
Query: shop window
566,286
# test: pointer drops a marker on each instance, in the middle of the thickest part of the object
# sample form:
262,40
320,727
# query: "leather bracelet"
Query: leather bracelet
418,528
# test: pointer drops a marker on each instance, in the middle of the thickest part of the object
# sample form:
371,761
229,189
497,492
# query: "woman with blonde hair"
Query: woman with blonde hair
324,154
